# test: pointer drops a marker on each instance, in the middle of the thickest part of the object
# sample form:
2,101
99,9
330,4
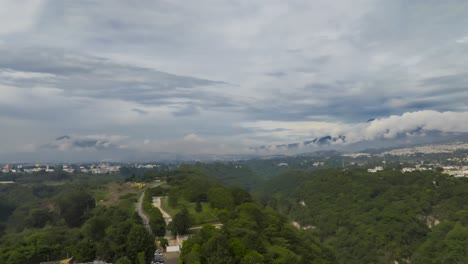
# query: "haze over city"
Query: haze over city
112,79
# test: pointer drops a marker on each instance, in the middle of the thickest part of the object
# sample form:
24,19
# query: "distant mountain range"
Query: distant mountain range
342,143
101,147
320,141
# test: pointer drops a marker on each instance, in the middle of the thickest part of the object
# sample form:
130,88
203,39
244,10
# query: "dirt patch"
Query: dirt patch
115,191
171,258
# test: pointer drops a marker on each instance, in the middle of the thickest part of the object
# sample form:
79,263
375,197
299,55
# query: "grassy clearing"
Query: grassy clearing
129,204
205,216
115,193
167,208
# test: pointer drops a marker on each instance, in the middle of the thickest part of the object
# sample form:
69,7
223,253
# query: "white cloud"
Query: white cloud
381,128
291,70
193,138
463,40
10,74
18,15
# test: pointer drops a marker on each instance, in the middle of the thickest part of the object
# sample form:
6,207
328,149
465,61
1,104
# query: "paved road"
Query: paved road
139,209
169,258
142,215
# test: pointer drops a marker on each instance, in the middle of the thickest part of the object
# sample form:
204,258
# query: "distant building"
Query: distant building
68,169
408,170
356,155
283,164
6,168
376,169
48,169
456,171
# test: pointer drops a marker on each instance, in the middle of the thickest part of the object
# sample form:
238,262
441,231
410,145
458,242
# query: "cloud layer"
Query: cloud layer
222,76
315,134
88,142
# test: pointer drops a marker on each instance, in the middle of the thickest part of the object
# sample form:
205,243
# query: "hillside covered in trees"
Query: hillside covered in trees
82,216
418,217
250,233
235,216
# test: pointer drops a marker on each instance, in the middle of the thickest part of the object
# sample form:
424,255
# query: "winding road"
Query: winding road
170,258
143,216
139,208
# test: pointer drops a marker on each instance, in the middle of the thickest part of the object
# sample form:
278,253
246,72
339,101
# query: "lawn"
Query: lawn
203,217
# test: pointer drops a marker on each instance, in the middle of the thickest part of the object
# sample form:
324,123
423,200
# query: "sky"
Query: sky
90,79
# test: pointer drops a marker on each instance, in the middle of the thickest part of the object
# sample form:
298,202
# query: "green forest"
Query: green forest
418,217
352,216
235,214
249,232
67,215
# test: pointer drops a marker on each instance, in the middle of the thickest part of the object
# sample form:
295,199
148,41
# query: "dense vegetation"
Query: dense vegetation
232,174
67,217
299,216
418,217
249,232
156,219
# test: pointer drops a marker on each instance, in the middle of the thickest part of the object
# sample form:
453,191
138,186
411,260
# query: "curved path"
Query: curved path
215,224
139,209
157,204
170,258
143,216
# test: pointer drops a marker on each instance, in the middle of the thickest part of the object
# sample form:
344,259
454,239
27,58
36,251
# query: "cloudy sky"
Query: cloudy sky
91,78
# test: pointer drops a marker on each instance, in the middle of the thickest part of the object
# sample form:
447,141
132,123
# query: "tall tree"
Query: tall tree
181,222
139,240
73,205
